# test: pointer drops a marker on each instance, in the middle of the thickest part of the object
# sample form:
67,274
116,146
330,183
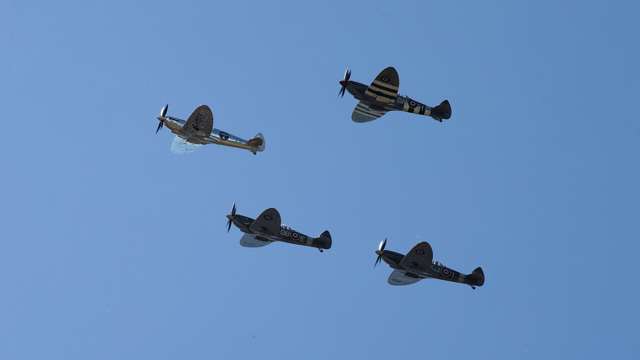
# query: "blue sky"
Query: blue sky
114,248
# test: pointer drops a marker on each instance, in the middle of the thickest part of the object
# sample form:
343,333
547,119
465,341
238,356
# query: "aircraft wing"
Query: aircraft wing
200,121
385,86
419,258
364,113
267,223
182,146
399,277
248,240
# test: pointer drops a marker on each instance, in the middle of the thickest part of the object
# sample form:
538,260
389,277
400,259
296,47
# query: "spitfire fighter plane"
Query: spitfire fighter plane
268,228
382,96
418,264
198,130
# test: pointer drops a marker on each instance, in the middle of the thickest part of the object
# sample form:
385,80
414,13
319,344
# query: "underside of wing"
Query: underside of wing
200,122
384,87
419,258
268,222
364,113
248,240
182,146
399,277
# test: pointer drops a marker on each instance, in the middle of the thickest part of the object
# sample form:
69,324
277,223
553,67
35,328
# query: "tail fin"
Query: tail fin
324,241
258,142
476,278
442,111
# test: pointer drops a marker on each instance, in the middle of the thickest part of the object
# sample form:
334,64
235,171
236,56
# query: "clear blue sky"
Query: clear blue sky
114,248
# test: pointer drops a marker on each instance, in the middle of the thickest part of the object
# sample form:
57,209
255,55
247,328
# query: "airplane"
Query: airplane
268,228
382,96
418,264
198,130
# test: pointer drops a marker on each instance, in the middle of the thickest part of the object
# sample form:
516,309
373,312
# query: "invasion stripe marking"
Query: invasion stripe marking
363,118
370,110
377,93
383,90
364,115
368,114
365,106
385,85
380,97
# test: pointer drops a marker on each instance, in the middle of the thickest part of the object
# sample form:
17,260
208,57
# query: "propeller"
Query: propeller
230,217
380,251
344,82
163,112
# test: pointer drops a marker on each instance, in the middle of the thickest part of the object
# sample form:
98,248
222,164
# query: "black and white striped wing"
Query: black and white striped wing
385,86
364,113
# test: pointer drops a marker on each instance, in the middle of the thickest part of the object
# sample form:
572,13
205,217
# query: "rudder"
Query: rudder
476,278
442,111
324,241
258,142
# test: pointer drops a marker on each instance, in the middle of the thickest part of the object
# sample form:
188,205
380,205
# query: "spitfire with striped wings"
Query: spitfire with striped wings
268,228
418,264
382,96
198,130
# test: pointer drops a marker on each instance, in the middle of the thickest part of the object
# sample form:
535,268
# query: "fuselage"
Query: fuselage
436,270
217,136
285,234
401,103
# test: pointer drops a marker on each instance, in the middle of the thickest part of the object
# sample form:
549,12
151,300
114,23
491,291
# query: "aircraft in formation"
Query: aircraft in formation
382,96
418,264
268,228
198,130
374,101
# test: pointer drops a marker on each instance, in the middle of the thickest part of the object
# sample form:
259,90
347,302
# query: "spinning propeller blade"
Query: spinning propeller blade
163,112
230,217
344,82
380,251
